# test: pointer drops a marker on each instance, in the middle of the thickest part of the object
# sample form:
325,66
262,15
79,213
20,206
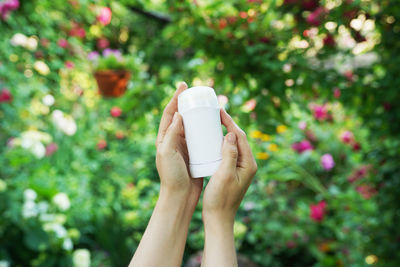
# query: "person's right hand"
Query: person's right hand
227,186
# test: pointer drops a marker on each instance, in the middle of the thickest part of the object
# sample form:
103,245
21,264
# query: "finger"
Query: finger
246,156
173,135
168,112
229,156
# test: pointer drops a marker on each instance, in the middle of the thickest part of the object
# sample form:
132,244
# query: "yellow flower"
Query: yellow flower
262,155
281,129
265,137
273,147
41,67
256,134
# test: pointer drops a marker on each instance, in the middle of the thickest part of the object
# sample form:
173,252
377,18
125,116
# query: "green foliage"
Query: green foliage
78,182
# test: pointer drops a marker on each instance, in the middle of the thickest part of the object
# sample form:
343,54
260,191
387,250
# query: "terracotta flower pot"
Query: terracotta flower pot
112,83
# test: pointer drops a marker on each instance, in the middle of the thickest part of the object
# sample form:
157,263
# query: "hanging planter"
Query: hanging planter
112,83
112,72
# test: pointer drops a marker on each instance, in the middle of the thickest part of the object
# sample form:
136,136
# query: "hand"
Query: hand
227,186
172,158
223,195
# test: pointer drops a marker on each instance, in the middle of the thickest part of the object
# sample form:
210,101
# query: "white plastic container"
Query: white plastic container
201,119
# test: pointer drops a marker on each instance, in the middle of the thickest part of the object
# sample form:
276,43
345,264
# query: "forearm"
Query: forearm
164,239
219,245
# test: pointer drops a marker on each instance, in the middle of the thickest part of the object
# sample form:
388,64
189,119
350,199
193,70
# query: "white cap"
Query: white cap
198,96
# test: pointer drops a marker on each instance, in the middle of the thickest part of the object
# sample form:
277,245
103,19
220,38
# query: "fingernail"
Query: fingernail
175,116
231,138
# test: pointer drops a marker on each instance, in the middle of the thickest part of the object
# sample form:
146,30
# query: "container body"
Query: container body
203,132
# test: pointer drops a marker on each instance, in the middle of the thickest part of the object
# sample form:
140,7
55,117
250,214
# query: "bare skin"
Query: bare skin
164,239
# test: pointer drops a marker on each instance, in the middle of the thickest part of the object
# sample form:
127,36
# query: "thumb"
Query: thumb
229,153
174,131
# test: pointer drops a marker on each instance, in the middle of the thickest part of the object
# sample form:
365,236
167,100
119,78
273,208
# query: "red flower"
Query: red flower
105,16
309,4
329,41
222,24
102,43
5,95
302,146
366,191
243,14
356,146
336,92
62,43
101,144
77,32
291,244
317,211
349,75
359,173
115,112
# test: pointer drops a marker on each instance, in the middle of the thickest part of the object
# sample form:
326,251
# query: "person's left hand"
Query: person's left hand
172,158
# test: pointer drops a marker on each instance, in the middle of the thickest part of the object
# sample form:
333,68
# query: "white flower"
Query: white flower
48,100
64,122
249,206
33,141
61,200
19,39
29,209
67,244
41,67
31,43
59,230
4,263
30,194
81,258
42,207
38,149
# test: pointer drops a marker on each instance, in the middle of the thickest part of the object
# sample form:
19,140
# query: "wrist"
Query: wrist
175,202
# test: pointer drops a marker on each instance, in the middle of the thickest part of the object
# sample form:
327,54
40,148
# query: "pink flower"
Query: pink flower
101,144
51,148
93,56
317,211
105,16
327,162
336,92
115,112
315,17
62,43
5,95
69,64
302,146
320,112
347,137
250,105
7,6
302,125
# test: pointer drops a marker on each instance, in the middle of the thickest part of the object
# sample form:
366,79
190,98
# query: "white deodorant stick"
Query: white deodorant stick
201,119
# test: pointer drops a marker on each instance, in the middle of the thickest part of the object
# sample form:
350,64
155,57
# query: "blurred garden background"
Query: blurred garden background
314,83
